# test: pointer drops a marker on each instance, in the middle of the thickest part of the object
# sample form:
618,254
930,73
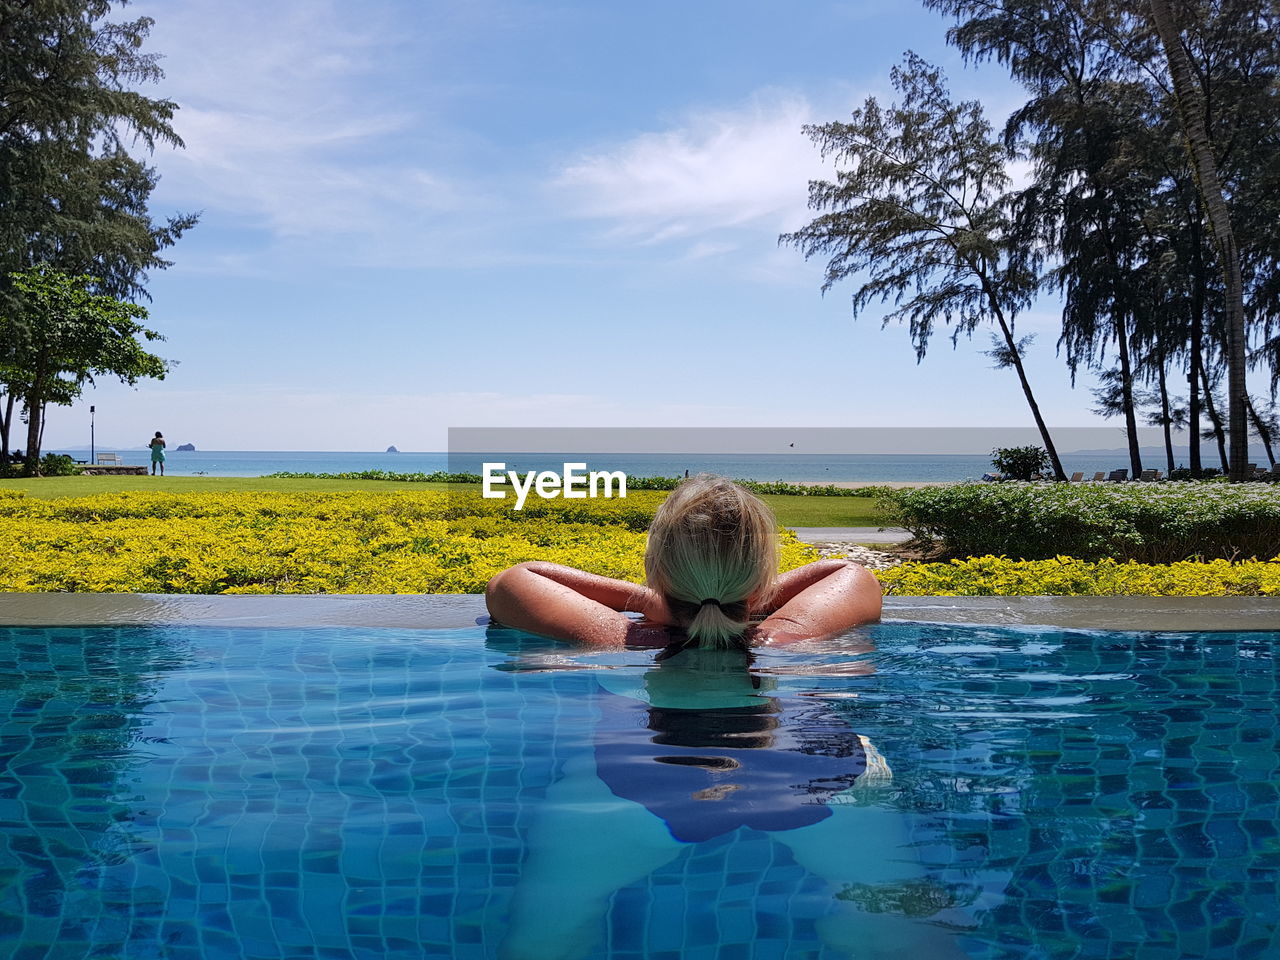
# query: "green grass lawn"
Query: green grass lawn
825,511
51,487
791,511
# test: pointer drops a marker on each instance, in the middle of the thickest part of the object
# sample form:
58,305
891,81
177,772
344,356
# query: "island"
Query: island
185,448
392,449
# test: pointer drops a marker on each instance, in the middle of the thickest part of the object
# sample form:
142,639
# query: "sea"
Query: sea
762,467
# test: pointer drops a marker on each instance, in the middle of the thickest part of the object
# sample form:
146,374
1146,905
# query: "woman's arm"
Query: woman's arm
567,604
820,599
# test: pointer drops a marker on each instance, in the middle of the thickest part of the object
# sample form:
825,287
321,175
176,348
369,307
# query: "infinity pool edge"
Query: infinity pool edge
445,611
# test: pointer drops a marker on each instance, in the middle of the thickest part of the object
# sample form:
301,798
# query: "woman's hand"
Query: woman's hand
567,604
654,607
818,600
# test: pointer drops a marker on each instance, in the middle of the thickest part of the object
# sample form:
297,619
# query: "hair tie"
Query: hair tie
709,600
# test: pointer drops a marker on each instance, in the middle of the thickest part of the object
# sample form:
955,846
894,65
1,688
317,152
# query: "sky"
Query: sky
422,215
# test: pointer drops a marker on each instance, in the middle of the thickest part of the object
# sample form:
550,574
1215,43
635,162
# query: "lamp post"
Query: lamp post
91,450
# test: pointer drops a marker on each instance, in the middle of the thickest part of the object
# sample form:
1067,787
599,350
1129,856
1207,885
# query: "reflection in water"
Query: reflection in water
740,758
925,897
1064,793
701,745
73,729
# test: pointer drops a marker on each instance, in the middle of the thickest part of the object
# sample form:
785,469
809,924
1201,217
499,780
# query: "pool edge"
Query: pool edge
442,611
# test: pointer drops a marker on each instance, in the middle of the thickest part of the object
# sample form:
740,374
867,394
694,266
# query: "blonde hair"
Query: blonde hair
711,540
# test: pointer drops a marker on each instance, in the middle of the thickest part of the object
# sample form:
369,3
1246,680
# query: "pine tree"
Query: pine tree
71,194
920,205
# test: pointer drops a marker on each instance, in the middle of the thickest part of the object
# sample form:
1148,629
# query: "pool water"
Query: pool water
336,793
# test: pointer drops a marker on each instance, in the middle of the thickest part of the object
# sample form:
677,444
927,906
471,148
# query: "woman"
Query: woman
157,453
710,568
702,745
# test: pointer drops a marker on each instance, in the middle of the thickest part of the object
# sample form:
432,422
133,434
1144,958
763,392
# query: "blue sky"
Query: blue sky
419,215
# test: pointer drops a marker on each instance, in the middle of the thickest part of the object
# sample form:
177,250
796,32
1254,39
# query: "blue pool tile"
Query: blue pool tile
324,832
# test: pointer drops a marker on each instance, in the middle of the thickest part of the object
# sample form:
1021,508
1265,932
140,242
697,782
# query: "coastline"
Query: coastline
861,484
843,469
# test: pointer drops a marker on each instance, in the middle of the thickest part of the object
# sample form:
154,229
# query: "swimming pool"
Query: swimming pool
344,792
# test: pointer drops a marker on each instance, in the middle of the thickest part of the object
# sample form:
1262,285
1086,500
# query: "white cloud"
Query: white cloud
704,249
718,170
289,119
317,123
286,179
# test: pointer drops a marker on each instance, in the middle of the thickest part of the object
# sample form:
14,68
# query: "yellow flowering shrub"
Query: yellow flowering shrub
1067,576
346,542
433,542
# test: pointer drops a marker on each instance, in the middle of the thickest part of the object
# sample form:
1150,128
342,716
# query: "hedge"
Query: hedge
1147,522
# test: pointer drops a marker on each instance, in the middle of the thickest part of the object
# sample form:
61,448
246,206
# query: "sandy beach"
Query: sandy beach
859,484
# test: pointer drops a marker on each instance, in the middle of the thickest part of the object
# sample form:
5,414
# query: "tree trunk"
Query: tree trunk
1058,472
1191,108
1197,345
35,425
34,409
6,419
1165,419
1126,393
1262,429
1216,420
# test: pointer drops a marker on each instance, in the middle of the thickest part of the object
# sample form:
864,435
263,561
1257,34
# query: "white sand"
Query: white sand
859,484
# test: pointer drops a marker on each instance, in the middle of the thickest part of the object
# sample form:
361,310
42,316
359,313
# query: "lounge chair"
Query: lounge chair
1077,476
1118,475
109,458
992,477
1099,476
